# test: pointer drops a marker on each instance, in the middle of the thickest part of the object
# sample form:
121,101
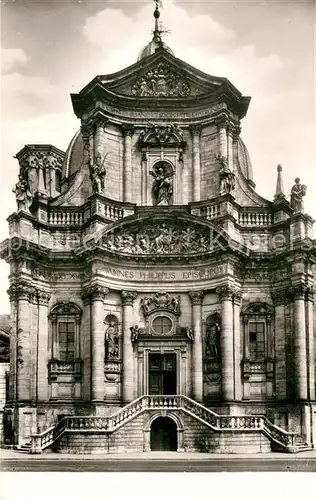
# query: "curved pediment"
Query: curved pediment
161,237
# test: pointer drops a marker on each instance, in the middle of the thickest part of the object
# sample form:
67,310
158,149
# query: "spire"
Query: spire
279,191
158,31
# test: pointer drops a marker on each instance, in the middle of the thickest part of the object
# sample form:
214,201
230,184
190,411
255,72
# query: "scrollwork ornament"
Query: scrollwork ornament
196,297
128,297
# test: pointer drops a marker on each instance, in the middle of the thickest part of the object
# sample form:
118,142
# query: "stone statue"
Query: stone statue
97,174
227,178
162,186
297,193
134,332
190,333
211,341
175,301
22,194
111,337
145,303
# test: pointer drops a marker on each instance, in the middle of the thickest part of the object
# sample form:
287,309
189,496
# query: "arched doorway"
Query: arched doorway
163,435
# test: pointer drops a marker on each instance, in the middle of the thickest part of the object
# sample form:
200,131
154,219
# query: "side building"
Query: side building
158,301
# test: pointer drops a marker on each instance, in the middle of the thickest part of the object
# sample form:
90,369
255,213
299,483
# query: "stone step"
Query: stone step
24,448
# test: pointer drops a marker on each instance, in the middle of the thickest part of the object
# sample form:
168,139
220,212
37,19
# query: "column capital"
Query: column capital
21,290
236,132
43,297
309,294
298,291
228,292
95,293
128,129
221,122
196,297
100,122
196,130
128,297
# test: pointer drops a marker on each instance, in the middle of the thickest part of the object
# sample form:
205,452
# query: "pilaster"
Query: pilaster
43,298
300,352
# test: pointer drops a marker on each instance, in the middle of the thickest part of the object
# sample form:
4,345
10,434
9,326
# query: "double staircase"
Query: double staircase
280,439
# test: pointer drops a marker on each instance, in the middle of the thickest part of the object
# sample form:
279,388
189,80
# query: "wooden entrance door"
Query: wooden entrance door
162,374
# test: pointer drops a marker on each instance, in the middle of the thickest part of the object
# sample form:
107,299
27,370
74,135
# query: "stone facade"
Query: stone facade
152,267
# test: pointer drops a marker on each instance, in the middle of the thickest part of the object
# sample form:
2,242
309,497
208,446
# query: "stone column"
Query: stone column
310,343
22,292
197,348
235,135
97,293
128,298
300,353
196,162
237,347
128,131
221,123
99,124
226,294
42,344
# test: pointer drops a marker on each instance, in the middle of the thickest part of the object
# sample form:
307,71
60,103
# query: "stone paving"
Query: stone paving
158,455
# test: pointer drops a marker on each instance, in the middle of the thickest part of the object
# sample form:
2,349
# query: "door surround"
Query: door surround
156,346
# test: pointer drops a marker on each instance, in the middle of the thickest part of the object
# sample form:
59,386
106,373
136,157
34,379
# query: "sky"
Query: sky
51,48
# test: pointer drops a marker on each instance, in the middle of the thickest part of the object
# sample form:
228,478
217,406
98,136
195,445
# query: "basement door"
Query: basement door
162,373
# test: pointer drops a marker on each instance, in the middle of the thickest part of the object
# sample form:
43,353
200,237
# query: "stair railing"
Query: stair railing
216,422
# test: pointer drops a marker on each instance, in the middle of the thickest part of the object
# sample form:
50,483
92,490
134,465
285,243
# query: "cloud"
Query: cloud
12,59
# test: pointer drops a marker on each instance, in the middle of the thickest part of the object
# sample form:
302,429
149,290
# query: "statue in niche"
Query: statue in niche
162,186
112,341
22,194
227,178
297,193
98,173
212,339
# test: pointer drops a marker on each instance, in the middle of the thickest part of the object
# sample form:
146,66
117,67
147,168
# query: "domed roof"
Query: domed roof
74,156
151,47
244,160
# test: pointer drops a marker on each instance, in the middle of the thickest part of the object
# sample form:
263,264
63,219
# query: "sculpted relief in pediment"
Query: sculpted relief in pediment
162,80
158,239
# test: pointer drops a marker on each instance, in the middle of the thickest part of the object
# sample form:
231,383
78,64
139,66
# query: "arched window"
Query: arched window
212,336
257,325
111,337
65,319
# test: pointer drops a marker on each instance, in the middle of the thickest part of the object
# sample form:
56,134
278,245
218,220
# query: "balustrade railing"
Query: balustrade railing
217,422
60,218
255,219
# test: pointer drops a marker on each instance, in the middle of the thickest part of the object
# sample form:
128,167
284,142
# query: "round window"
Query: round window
162,325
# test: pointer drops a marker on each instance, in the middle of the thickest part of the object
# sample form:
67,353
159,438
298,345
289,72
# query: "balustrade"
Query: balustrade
178,402
255,219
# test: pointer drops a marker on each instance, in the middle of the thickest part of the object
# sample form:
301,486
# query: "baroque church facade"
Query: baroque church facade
157,301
